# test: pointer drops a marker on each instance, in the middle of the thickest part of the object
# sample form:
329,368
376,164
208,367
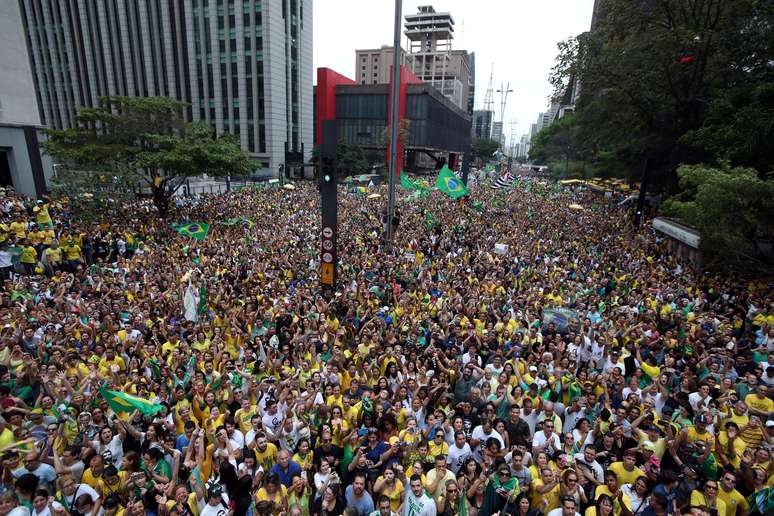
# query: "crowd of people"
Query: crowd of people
505,354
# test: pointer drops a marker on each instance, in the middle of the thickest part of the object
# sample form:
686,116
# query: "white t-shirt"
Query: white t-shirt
478,433
205,509
553,441
112,452
273,422
413,506
457,456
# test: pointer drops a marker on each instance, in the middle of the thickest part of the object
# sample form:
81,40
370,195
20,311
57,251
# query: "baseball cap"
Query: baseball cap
769,423
214,491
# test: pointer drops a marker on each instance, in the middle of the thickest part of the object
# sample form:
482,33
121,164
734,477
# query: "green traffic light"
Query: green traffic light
327,178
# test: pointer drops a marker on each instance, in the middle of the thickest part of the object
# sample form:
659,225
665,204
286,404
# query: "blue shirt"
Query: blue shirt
364,504
181,442
285,477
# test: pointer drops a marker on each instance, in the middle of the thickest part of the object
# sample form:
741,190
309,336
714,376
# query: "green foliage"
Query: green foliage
351,158
674,81
483,149
145,140
730,207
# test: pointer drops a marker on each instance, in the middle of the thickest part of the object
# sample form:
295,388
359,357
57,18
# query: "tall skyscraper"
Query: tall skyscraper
21,163
244,65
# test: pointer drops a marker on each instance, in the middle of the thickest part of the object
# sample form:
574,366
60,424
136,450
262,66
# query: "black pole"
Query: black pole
466,162
328,201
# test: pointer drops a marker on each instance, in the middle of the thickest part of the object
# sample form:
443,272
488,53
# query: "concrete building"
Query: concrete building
497,132
430,36
439,131
482,124
429,56
21,164
244,65
372,66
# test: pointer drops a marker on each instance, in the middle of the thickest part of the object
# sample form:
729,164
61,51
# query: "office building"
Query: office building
471,82
245,66
438,128
372,66
482,124
497,132
21,164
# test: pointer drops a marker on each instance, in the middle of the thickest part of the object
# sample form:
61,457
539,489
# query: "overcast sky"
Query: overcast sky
518,36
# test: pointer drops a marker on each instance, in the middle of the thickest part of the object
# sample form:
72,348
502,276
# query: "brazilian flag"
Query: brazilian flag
430,221
197,230
122,402
448,183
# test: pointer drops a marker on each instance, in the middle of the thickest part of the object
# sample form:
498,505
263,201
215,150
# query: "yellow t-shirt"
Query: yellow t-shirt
617,509
551,496
72,252
279,495
626,477
89,479
393,494
53,256
29,255
697,498
733,500
764,405
19,229
266,458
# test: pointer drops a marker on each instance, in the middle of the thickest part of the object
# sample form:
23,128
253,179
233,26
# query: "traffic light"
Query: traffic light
327,169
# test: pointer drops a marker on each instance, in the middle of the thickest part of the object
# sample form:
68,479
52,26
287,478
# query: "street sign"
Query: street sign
327,273
327,232
327,245
327,257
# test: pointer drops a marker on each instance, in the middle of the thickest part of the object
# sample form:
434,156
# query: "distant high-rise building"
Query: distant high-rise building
481,129
245,66
497,132
430,36
21,164
471,82
372,66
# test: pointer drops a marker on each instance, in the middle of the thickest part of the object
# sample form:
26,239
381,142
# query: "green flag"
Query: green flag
406,182
122,402
477,206
448,183
197,230
430,221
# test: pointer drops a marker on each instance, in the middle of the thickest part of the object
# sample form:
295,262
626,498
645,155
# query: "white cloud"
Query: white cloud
518,36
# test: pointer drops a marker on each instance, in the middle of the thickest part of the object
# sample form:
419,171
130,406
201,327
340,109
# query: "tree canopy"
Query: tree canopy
146,140
673,81
483,149
731,207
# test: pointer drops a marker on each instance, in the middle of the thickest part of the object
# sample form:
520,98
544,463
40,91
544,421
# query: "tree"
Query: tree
146,140
483,149
669,80
731,207
350,158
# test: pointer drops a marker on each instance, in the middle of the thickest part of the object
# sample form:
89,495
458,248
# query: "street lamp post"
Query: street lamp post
394,121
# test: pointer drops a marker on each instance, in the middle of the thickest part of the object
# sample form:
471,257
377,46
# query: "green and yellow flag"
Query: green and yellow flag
197,230
429,221
123,402
448,183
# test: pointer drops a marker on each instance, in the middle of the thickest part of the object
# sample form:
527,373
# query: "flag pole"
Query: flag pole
394,121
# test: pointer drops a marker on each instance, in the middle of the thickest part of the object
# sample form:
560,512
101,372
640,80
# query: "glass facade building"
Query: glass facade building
245,66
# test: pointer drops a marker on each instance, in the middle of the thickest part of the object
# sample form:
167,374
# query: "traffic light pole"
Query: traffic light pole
394,122
328,203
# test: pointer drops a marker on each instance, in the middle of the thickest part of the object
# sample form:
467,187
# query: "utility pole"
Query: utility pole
395,123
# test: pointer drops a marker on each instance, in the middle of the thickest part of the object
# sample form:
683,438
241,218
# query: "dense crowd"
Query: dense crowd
505,354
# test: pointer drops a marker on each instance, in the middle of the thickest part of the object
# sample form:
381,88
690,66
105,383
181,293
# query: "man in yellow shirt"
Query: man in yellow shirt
29,258
72,253
53,258
626,471
759,403
733,499
19,228
42,216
